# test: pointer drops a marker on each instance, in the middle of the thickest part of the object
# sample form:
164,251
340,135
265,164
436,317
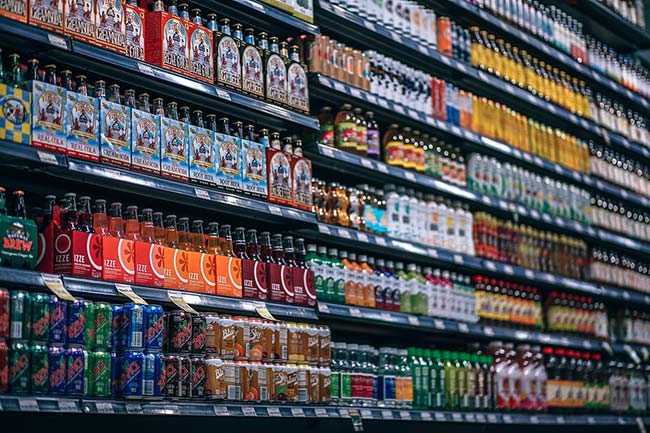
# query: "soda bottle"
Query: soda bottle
266,251
326,126
85,216
308,275
70,212
184,236
147,227
290,258
345,136
225,239
314,263
198,244
252,245
132,225
115,222
373,137
159,233
214,245
367,282
100,220
240,249
47,213
171,232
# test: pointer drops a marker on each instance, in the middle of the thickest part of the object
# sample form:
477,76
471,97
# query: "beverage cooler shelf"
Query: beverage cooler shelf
359,166
478,142
36,404
477,16
100,289
339,21
153,78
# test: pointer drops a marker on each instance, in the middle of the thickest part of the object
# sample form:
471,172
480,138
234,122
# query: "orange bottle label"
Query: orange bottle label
229,276
195,280
176,270
119,260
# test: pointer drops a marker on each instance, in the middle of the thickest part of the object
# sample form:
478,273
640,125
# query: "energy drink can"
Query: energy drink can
197,345
100,375
58,317
131,327
58,359
76,371
131,365
39,323
116,325
197,377
185,377
5,313
19,316
169,384
40,367
154,321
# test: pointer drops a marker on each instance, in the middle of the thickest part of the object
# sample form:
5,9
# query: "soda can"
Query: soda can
102,324
19,316
76,371
5,313
19,367
131,364
89,325
100,376
4,366
198,334
40,369
131,326
116,326
154,321
57,360
180,332
58,317
40,316
115,374
76,322
197,377
185,377
169,385
152,374
165,335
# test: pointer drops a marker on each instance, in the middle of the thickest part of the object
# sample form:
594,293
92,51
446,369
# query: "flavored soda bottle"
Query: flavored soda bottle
147,227
171,232
337,275
356,277
315,264
198,244
326,122
214,245
349,278
85,215
329,285
69,219
132,226
184,236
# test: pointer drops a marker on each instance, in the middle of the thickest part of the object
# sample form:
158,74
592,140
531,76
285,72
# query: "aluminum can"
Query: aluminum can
169,383
116,325
197,346
131,327
19,316
131,365
39,322
197,377
4,366
152,374
102,325
5,313
185,376
76,322
58,318
115,374
58,360
40,371
179,332
76,377
100,375
154,324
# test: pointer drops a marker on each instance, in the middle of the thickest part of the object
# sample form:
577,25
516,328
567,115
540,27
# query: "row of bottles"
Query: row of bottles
525,246
619,169
507,304
611,267
572,314
350,130
617,216
489,176
618,118
633,326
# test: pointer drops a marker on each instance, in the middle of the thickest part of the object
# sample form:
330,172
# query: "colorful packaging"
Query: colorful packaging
175,269
301,175
70,252
276,79
134,26
174,154
279,174
14,9
297,91
15,114
119,260
167,41
110,28
149,264
303,9
229,276
201,55
79,19
19,242
197,280
115,133
47,14
83,126
228,164
254,279
253,168
252,72
202,160
145,141
48,116
229,63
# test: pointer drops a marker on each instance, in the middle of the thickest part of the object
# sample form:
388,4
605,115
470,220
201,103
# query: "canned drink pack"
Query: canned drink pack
58,317
76,322
131,326
115,374
197,345
100,374
154,324
57,360
179,332
197,377
89,328
77,372
4,366
131,365
102,322
185,377
39,323
19,367
40,370
19,316
169,377
5,313
116,325
152,374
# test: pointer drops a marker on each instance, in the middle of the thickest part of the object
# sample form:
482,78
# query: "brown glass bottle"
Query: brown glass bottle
266,251
252,245
240,243
225,239
184,237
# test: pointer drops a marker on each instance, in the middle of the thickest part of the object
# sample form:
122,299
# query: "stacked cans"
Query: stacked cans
183,364
137,334
55,346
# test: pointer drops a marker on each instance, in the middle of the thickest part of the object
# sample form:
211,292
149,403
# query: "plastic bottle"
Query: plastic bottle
337,275
451,381
528,386
329,284
368,282
315,264
393,216
405,294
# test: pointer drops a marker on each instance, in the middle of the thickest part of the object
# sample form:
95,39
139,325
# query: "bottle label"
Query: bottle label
228,62
345,136
327,134
394,153
346,385
252,79
373,143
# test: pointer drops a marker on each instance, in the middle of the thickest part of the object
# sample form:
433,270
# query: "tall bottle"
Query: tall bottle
147,226
159,232
278,292
225,240
85,215
132,227
115,222
198,243
214,243
171,232
69,211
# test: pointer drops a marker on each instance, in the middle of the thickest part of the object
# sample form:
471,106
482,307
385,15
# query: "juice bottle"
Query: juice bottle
345,134
132,225
416,377
147,227
214,243
409,149
438,381
225,241
462,372
349,277
405,294
337,267
326,121
115,222
393,146
373,137
184,236
451,381
100,220
368,281
171,233
386,378
362,132
198,240
407,379
476,383
395,293
357,278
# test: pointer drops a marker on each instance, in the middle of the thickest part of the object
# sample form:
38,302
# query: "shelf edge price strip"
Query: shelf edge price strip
180,302
127,290
263,310
55,284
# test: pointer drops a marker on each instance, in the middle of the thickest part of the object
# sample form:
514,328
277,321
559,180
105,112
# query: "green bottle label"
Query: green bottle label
335,385
346,385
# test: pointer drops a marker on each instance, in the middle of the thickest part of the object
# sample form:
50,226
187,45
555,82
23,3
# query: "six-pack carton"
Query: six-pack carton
202,156
228,161
145,141
115,133
82,139
279,175
166,42
201,53
149,264
174,153
15,114
135,31
49,121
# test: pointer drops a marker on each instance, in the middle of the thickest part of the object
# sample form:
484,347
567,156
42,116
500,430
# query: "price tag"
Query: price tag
170,409
456,417
632,353
459,259
57,41
397,38
323,308
355,312
432,253
586,344
47,157
382,168
490,265
560,420
28,404
409,176
127,290
355,92
534,214
462,327
426,416
297,412
320,412
223,94
414,114
507,419
534,420
133,408
367,163
362,237
180,302
104,407
462,68
413,320
324,229
146,69
445,60
369,25
405,414
492,418
221,410
380,241
382,103
201,193
366,414
607,348
273,411
263,310
485,199
438,324
357,421
386,316
469,417
345,234
480,418
439,416
591,420
521,335
387,414
67,406
55,284
423,49
626,295
508,269
327,151
275,210
372,99
488,331
256,5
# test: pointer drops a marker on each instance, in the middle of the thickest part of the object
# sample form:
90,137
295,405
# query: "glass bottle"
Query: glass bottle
240,249
85,215
252,245
225,239
345,136
171,232
20,210
159,233
266,251
132,226
184,236
326,122
115,222
147,227
277,250
372,137
214,244
100,220
361,129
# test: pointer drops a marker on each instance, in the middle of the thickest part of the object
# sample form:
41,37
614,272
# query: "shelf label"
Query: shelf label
490,265
488,331
410,176
383,168
507,419
462,327
469,417
492,418
134,408
640,424
372,99
413,320
223,94
357,421
560,420
339,86
180,302
355,92
55,284
104,407
529,274
367,163
146,69
355,312
508,269
397,38
380,241
362,237
28,404
366,414
382,102
127,290
273,411
297,412
534,419
275,210
459,259
323,308
480,418
591,420
438,324
398,108
369,25
456,417
248,411
387,414
47,157
405,414
221,410
327,151
426,416
439,416
201,193
345,234
263,310
320,412
423,49
324,229
58,41
256,5
432,253
67,406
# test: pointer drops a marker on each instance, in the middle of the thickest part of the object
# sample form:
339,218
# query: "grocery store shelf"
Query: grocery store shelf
358,30
330,89
31,404
404,250
472,15
123,180
80,55
100,289
355,165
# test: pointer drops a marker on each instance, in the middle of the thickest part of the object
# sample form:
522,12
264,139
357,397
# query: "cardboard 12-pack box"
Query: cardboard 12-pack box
83,126
79,19
145,141
135,31
202,160
48,116
174,153
47,14
110,31
115,133
15,114
253,168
